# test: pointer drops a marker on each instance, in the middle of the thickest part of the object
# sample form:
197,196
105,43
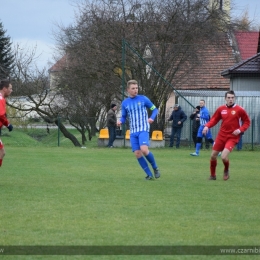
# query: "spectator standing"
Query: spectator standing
195,124
229,133
111,125
177,117
204,118
195,117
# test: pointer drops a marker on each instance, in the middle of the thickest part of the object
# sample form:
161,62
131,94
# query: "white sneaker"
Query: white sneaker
194,154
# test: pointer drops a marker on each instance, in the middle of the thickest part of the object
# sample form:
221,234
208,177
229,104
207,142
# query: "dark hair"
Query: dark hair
4,84
231,92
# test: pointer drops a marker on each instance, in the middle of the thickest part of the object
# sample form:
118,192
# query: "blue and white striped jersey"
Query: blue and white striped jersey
136,110
204,116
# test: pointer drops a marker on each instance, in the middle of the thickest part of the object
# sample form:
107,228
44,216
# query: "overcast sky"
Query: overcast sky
31,22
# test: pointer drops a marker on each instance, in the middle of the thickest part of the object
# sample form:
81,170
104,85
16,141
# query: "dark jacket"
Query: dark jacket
195,123
176,116
111,118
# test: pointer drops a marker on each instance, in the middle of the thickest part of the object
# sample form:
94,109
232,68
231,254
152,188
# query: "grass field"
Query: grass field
58,196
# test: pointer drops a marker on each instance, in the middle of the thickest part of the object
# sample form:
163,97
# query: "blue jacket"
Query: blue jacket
176,116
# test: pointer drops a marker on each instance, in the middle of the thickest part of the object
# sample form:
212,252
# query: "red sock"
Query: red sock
1,160
226,164
213,165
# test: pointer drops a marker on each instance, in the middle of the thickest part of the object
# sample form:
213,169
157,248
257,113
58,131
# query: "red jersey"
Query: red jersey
231,119
3,119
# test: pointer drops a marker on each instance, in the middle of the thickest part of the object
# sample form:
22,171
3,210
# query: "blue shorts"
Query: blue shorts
208,135
138,139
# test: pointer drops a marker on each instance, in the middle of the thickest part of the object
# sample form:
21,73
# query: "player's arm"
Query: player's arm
246,122
214,119
3,117
154,113
123,116
4,121
152,107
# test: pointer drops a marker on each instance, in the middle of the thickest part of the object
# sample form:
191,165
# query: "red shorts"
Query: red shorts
1,144
228,142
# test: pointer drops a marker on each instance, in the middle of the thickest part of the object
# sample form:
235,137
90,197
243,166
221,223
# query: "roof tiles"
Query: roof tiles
247,43
250,67
207,75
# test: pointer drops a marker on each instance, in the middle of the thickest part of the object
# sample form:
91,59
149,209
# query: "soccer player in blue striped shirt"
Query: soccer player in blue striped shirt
135,107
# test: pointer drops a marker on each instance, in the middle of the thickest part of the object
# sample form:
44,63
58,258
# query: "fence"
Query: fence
40,130
250,101
217,68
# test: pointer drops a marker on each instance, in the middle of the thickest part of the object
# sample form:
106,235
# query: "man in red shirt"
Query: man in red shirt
230,130
5,91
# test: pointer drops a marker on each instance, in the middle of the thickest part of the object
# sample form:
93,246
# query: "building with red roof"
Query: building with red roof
214,59
247,43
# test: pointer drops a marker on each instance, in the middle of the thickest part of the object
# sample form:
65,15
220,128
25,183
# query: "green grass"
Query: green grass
98,196
39,137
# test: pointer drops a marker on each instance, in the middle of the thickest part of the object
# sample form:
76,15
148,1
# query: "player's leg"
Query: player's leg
2,152
217,147
213,164
229,146
225,160
143,163
144,145
134,139
198,145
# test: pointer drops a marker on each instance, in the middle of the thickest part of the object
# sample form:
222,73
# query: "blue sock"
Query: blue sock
198,146
151,160
145,166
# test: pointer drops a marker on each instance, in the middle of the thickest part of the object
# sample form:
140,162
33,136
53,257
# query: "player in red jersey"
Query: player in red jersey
5,91
230,130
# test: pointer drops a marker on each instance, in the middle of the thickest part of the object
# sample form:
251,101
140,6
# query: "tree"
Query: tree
174,30
85,94
33,84
6,56
244,23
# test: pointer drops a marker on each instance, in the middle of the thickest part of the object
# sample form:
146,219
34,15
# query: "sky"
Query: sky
30,23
